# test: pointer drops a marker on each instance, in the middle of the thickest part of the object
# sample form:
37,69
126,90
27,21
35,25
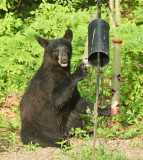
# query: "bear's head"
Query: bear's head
58,50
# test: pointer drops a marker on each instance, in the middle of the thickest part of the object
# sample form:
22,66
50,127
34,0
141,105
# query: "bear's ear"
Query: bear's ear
68,35
43,42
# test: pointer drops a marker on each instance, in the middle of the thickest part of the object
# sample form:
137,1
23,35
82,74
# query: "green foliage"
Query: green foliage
86,152
79,133
14,5
65,146
137,14
13,71
136,144
8,136
21,54
2,126
7,4
77,4
12,139
52,24
10,24
8,130
133,132
32,147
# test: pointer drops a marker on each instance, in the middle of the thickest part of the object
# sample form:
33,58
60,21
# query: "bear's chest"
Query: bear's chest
57,75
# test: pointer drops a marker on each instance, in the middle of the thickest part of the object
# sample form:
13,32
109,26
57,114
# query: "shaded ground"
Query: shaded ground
130,148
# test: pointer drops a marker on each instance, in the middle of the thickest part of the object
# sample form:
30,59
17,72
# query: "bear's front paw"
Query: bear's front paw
81,71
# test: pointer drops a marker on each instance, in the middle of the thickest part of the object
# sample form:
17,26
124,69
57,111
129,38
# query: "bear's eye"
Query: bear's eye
56,51
67,50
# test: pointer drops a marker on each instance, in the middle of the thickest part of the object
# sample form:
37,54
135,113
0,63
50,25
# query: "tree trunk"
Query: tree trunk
117,7
111,3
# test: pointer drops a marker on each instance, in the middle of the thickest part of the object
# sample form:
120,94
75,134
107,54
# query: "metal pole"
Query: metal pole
97,89
99,9
96,105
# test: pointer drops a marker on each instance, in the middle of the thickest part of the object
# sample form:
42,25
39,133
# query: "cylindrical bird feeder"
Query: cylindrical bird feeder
116,76
98,42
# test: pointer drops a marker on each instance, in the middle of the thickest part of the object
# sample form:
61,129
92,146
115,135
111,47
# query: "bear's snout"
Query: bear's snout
63,58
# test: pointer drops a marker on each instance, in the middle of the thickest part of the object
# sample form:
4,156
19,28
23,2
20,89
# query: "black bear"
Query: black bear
50,106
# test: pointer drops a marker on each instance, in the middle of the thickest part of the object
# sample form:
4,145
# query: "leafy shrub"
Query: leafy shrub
10,24
21,55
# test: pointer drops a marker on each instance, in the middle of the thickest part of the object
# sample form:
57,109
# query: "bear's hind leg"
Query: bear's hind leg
74,121
29,135
83,104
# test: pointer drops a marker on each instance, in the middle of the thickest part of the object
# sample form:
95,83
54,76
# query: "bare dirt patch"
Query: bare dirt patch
11,100
113,147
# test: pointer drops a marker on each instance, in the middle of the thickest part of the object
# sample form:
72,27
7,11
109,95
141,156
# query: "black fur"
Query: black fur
50,106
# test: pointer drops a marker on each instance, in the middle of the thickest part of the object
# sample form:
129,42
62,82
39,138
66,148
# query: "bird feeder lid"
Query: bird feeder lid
117,41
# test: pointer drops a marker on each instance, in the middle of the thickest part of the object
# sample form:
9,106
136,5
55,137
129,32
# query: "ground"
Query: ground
130,148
